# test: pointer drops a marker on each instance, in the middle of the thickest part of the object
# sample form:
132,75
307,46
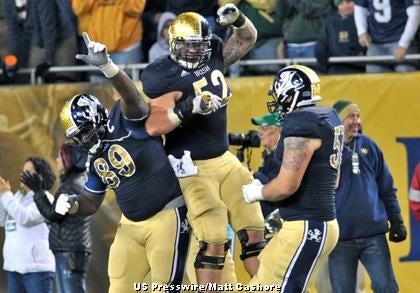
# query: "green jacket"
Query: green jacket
303,19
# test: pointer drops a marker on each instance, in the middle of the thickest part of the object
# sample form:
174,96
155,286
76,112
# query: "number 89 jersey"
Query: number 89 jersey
204,135
135,165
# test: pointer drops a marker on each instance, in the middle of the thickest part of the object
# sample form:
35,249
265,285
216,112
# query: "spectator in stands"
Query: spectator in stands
28,261
3,50
365,186
338,37
53,33
69,237
161,46
303,20
150,20
18,34
123,37
267,20
387,28
9,70
414,193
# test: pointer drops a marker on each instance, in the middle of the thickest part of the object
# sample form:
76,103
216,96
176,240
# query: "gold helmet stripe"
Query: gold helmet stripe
66,119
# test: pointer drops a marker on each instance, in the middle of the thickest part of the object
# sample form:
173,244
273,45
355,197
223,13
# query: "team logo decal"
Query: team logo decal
315,235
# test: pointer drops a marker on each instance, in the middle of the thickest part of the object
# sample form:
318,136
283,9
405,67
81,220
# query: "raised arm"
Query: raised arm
133,104
243,37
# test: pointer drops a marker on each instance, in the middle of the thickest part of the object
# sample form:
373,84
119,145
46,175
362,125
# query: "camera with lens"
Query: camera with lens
249,139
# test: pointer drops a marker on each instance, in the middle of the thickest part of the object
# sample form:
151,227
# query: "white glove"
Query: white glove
253,192
206,103
66,204
273,222
183,167
98,56
229,14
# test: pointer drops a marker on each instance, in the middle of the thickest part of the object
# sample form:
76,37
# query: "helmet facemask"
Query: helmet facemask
190,54
89,139
84,118
189,40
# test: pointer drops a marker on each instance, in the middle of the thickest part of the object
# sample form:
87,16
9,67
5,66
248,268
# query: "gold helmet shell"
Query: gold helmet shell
189,40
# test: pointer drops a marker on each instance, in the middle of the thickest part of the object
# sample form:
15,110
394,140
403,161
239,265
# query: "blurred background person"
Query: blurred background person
161,46
17,37
387,28
53,31
414,193
366,186
269,132
122,38
28,261
69,237
303,20
338,37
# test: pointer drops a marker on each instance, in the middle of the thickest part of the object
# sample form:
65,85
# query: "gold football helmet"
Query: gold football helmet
189,40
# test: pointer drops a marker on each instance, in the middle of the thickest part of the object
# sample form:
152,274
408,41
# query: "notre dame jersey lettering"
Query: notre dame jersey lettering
165,75
315,197
135,166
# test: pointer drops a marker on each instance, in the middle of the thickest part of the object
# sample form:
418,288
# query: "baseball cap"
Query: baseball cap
267,120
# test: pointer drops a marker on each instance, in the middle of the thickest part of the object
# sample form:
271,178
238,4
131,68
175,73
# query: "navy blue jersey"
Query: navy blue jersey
204,135
386,19
135,166
315,198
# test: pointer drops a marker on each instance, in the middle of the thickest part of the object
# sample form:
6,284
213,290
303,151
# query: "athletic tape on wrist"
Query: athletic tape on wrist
173,117
110,69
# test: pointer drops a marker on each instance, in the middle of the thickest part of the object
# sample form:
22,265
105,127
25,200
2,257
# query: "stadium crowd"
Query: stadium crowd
45,33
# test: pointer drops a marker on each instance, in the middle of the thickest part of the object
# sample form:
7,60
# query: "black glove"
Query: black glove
33,181
41,70
397,232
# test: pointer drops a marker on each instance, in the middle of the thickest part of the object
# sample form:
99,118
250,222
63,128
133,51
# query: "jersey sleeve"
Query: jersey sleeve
301,124
156,77
94,184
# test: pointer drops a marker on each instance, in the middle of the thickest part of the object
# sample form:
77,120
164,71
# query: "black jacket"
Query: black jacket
67,233
338,37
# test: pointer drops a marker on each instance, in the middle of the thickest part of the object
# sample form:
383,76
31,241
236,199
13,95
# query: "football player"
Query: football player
212,186
153,232
309,151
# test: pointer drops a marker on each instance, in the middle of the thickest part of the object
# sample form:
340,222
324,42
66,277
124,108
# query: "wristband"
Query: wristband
173,117
183,110
110,69
246,23
240,21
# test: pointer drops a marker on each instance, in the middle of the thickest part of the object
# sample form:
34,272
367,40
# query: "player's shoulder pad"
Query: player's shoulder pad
159,75
301,124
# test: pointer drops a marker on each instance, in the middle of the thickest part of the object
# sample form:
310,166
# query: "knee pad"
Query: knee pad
252,249
212,262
